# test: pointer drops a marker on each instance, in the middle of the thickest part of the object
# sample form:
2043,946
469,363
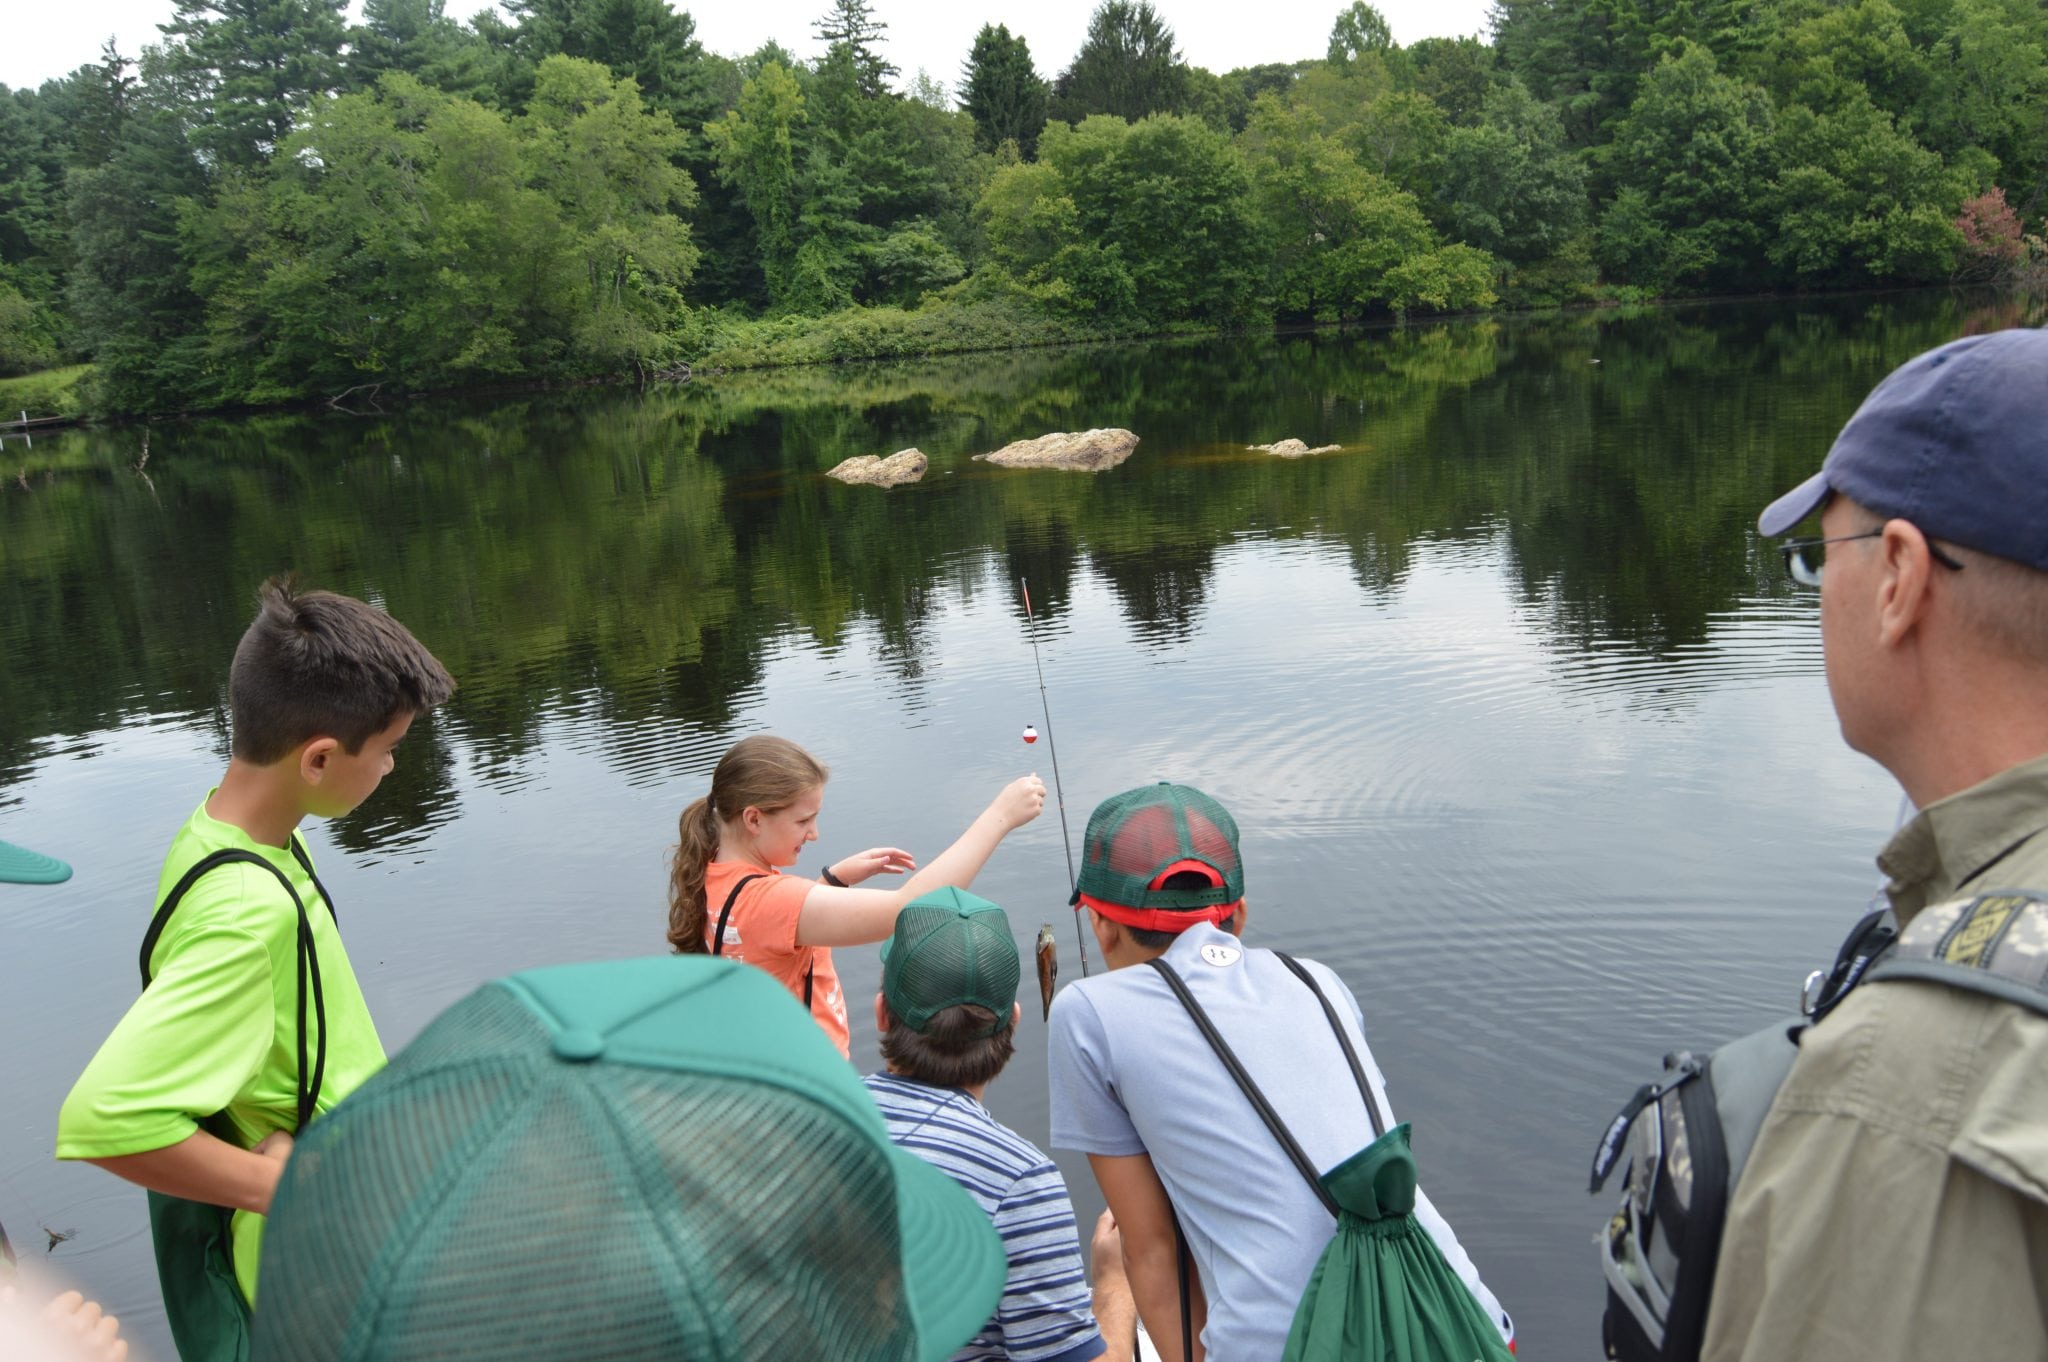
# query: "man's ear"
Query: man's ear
881,1013
1235,926
1016,1014
1908,574
1108,935
316,757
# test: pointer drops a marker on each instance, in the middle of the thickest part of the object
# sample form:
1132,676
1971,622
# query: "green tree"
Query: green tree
608,164
1359,29
754,150
1456,74
1858,201
1508,185
646,41
1986,88
248,68
1128,67
1170,195
1002,92
1698,144
851,27
129,289
1342,238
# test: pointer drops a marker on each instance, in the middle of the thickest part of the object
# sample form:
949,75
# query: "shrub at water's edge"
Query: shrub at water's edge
51,392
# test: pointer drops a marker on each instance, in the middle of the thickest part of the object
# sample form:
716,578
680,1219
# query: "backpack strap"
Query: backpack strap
1994,943
308,957
1372,1106
1246,1084
725,913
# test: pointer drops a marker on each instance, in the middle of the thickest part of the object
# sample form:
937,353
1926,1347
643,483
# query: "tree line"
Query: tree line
273,204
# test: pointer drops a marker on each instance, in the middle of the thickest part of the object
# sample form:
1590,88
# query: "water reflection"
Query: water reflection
626,558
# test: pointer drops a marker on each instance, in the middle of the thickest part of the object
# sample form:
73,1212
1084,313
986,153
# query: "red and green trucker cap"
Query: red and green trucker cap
950,948
1138,840
648,1159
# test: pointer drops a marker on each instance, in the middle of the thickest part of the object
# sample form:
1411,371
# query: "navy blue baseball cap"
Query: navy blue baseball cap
1956,441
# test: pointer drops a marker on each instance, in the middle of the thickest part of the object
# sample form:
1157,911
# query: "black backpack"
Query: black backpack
1688,1133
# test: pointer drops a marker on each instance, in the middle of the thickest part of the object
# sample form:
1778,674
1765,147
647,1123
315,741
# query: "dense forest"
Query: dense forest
272,204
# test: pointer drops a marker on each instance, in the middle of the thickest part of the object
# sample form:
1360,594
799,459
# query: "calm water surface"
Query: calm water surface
1526,731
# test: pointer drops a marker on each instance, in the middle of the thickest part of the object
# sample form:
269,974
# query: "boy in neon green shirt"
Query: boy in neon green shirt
197,1092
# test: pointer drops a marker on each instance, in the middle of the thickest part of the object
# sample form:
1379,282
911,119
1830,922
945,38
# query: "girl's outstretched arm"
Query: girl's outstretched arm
853,917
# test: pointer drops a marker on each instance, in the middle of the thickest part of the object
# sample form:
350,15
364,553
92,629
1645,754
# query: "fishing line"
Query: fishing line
1045,708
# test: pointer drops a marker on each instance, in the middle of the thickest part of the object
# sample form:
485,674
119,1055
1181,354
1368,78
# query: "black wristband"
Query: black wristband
833,880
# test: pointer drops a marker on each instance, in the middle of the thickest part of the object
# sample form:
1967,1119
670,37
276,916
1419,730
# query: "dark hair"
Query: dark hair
762,772
954,1051
313,664
1179,879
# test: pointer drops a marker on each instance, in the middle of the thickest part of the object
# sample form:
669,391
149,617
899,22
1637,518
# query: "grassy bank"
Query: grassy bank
52,392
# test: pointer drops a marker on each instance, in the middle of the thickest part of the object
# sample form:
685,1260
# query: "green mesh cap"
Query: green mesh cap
1139,839
659,1158
949,948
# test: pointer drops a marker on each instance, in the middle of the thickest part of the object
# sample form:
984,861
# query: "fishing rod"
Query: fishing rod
1045,708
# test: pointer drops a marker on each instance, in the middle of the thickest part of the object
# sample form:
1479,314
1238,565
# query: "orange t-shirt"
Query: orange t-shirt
762,932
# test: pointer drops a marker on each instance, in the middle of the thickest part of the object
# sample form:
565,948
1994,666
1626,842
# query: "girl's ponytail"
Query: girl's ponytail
761,772
696,848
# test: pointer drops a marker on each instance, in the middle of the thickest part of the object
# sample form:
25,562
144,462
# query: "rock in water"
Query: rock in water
1088,451
1295,449
870,470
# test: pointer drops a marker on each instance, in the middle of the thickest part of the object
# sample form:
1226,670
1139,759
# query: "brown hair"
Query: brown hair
313,664
953,1051
761,772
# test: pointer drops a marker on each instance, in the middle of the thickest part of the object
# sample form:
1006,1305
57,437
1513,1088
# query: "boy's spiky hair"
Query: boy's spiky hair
315,664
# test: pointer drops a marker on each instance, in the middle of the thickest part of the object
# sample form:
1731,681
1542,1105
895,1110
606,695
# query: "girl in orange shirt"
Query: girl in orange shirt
728,895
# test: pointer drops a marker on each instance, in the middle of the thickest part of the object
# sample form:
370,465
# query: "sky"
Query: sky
46,40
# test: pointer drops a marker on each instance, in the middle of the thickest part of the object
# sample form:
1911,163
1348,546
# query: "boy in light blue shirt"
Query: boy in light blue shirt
1166,1131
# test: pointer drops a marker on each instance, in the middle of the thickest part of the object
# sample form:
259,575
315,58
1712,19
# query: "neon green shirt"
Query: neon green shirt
217,1030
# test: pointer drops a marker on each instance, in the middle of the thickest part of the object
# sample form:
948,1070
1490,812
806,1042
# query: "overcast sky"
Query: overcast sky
46,39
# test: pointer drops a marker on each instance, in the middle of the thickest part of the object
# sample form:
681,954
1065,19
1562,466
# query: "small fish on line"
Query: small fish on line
1048,968
57,1237
1030,733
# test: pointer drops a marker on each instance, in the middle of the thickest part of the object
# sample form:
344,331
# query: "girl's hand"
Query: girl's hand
874,861
1021,801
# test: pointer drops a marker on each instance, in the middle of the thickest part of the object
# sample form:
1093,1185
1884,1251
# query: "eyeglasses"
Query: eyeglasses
1804,558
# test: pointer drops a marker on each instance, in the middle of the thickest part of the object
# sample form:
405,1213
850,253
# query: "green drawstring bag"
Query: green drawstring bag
1382,1289
194,1241
195,1264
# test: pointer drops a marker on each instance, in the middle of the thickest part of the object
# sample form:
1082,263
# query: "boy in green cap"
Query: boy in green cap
251,1020
948,1017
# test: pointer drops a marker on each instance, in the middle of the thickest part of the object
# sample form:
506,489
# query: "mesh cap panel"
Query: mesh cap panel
1134,838
950,947
484,1200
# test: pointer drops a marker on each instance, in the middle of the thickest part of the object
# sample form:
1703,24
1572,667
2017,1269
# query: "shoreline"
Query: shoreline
691,372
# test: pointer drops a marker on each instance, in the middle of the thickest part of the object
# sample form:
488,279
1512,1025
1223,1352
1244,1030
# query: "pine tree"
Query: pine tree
1128,66
850,25
1002,91
247,67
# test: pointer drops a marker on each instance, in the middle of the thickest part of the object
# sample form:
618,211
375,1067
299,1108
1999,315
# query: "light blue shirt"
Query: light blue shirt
1131,1074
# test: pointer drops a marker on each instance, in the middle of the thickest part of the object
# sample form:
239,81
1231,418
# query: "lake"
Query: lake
1525,729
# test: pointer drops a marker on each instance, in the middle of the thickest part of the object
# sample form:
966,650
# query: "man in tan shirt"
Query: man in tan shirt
1896,1203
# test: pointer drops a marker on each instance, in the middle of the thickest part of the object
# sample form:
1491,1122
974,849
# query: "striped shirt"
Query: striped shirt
1045,1314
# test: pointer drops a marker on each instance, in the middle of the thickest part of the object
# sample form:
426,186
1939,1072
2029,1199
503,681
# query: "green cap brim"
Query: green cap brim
19,865
954,1266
